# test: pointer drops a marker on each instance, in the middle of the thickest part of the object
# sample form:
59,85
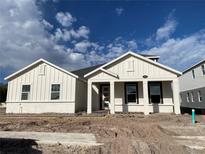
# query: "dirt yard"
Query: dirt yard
120,133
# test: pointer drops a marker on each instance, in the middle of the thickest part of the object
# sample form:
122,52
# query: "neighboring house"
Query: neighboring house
44,87
129,83
192,87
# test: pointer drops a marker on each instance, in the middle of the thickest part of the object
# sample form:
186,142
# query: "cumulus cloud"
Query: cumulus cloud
119,11
82,46
166,30
181,53
24,37
47,24
65,19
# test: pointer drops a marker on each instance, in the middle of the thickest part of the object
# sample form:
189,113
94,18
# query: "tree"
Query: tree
3,92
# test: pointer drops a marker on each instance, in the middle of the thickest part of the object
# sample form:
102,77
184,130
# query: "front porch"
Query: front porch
133,96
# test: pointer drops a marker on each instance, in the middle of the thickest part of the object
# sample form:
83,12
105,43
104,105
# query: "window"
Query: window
131,93
199,96
187,97
55,91
155,92
25,94
130,66
192,96
203,69
193,74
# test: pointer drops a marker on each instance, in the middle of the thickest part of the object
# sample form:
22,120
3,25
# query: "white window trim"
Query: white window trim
192,96
187,97
29,93
199,96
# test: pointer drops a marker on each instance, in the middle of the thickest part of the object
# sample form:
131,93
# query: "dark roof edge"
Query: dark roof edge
194,66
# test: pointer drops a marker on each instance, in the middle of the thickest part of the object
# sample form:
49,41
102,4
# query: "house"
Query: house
192,87
44,87
129,83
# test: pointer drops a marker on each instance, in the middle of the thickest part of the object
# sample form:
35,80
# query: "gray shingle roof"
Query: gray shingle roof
83,71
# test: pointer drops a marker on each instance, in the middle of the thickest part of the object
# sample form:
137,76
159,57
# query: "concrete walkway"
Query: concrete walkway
53,138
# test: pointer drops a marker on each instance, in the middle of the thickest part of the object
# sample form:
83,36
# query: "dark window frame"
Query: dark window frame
193,74
203,69
161,92
188,97
55,91
25,91
199,96
125,92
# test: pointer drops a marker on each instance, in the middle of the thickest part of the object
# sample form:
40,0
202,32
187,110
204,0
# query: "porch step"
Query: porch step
100,113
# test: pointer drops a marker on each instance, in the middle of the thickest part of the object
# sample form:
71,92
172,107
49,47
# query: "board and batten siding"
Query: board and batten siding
40,92
140,68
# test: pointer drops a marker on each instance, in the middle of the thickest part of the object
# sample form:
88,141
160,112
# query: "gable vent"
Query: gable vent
130,66
42,69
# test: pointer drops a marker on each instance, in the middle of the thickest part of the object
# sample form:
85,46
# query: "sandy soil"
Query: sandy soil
120,133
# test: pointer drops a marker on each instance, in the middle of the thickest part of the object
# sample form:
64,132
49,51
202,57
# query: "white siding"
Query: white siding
120,105
41,89
140,69
187,82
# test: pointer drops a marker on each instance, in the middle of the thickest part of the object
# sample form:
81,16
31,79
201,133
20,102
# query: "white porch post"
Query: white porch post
146,99
89,97
175,90
112,97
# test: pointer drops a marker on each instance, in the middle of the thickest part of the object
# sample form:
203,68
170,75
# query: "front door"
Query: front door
105,96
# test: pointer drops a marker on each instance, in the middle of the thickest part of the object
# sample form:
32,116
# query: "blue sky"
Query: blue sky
75,34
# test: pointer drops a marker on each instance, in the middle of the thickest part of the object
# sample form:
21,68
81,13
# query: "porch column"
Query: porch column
175,90
89,97
146,97
112,97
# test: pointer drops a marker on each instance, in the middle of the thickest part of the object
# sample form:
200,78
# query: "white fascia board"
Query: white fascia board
108,72
136,55
36,62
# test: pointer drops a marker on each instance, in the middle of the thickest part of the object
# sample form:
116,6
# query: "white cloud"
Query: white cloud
24,38
119,11
166,30
181,53
83,31
47,24
65,19
61,35
82,46
163,33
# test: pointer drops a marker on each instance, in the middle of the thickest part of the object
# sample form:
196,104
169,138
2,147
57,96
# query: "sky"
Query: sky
76,34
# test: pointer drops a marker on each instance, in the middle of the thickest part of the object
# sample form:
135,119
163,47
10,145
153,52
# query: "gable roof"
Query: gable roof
194,66
81,72
138,56
84,71
37,62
